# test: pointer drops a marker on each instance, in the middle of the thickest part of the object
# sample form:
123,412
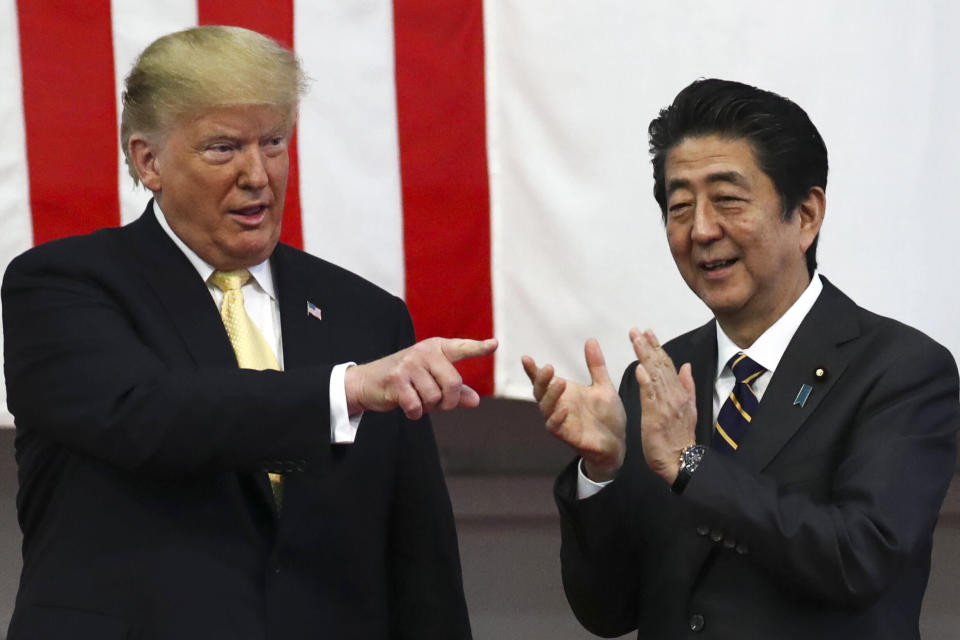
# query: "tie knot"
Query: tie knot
229,280
744,369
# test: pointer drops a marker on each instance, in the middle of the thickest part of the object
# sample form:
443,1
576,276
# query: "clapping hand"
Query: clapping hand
590,418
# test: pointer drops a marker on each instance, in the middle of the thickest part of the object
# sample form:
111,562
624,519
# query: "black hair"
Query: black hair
787,146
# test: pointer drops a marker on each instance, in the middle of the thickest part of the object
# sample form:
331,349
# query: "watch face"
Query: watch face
693,455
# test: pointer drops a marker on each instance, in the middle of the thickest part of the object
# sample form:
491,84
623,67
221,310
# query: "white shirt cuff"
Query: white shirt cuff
343,427
585,486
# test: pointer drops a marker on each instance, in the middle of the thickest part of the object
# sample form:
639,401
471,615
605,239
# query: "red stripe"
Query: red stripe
275,19
70,115
443,167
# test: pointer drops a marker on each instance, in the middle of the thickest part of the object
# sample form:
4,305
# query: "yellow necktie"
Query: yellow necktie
249,345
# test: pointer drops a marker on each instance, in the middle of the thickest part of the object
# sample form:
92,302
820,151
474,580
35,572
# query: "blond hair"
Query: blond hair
182,74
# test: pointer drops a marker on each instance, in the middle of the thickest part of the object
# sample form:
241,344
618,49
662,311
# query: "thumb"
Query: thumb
596,363
686,380
468,397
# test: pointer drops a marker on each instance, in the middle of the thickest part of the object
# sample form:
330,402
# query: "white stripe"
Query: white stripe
137,23
579,249
349,155
16,228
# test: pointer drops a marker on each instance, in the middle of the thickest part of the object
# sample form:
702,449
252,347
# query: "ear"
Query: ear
144,156
811,211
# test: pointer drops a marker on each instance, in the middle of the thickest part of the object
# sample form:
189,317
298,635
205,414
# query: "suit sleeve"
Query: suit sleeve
601,545
82,374
426,585
848,544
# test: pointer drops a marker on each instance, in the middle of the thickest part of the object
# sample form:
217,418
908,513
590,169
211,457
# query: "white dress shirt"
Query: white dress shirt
260,303
765,350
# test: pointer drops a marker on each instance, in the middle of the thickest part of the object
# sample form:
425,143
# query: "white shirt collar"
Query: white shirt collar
772,343
261,273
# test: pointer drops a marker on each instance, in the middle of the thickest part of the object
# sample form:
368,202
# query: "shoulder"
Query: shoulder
894,343
331,280
880,342
74,254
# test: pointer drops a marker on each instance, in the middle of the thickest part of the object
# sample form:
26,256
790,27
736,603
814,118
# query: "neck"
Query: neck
748,324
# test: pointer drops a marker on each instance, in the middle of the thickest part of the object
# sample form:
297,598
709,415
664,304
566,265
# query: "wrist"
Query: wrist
599,473
687,464
351,386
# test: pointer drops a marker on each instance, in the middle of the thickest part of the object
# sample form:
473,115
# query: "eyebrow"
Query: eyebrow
733,177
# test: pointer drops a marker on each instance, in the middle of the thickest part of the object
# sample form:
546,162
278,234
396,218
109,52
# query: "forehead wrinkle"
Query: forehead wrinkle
675,184
733,177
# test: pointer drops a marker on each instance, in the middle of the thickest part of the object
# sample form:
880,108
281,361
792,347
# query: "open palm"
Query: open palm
589,418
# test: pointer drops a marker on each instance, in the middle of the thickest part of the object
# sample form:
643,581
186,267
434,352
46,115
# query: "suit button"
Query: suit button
703,530
742,549
696,622
716,536
729,543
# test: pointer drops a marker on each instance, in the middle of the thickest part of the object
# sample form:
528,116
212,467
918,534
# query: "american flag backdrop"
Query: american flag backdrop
486,159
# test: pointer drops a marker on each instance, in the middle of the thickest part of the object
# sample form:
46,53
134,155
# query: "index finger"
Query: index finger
530,367
649,351
456,349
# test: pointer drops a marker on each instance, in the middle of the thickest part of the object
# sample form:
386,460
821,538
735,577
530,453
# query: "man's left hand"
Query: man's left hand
668,401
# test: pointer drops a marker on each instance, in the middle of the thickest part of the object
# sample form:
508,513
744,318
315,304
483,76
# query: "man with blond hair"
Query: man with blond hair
199,455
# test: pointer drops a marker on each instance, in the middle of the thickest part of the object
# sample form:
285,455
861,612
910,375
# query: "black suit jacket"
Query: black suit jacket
820,526
140,444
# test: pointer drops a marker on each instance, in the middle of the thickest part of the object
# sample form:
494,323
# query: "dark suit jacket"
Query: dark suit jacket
145,511
820,526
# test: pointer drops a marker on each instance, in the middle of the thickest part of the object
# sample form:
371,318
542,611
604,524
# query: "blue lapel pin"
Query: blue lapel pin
802,396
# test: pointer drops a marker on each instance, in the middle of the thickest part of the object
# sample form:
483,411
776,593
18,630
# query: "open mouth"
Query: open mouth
250,212
714,265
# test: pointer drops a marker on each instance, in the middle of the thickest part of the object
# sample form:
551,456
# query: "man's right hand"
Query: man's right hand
417,379
591,419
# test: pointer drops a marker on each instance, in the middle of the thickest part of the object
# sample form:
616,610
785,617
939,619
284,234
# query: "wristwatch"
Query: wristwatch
689,461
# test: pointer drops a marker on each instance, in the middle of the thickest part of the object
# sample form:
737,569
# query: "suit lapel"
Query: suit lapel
189,306
306,338
703,361
815,345
181,292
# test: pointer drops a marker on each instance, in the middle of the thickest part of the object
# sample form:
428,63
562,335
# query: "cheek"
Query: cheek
278,168
679,243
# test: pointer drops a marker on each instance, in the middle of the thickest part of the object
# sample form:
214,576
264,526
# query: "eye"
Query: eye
728,201
218,152
275,145
679,208
218,148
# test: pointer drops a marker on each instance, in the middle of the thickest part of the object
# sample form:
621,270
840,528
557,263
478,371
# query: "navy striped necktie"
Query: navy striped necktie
740,407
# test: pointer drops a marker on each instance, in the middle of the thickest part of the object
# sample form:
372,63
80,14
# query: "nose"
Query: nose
253,169
706,224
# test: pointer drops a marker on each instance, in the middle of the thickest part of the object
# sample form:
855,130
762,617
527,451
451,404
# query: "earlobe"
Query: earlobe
143,155
811,211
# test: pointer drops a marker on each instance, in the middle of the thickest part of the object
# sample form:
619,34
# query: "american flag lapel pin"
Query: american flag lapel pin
313,311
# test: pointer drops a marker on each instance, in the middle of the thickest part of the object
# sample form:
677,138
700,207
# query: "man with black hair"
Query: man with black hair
785,480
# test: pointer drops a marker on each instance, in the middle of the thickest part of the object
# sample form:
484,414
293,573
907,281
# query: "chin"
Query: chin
722,303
